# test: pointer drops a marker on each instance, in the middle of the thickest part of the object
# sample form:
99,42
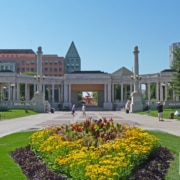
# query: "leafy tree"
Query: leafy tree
176,67
95,96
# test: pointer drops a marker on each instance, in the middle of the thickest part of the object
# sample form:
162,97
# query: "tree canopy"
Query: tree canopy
176,67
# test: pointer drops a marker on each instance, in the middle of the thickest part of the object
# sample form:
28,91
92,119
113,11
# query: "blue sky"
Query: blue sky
105,32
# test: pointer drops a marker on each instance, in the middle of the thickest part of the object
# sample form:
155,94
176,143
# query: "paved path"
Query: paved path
43,120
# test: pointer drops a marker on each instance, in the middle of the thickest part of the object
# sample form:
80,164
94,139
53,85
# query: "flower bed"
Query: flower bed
94,149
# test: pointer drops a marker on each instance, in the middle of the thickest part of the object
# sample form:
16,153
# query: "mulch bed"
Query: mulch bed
154,168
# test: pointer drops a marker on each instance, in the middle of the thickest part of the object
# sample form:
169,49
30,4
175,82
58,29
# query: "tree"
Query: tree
176,67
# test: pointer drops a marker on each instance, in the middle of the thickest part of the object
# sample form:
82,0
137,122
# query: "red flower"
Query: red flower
91,126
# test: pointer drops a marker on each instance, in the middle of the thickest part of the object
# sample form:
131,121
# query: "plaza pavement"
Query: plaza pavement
43,120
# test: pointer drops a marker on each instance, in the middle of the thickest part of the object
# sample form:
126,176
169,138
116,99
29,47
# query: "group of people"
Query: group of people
83,110
127,107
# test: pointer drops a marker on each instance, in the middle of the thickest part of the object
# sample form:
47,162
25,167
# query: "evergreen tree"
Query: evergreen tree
176,67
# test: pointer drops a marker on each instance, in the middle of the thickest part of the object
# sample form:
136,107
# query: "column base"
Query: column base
108,106
136,102
39,102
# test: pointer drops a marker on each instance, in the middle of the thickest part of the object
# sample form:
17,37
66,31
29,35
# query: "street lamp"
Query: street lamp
136,78
39,81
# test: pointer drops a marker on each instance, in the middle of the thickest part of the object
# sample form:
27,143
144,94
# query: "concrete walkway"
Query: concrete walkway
43,120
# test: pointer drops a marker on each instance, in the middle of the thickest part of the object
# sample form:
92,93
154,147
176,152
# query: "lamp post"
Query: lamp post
136,78
39,82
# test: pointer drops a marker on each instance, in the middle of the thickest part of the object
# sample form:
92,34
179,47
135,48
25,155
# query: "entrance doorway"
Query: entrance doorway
90,94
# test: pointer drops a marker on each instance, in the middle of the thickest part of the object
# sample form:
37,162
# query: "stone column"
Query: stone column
131,88
136,69
18,91
52,93
61,93
105,93
157,91
148,91
136,96
9,92
66,91
114,92
39,97
107,96
69,93
161,93
39,69
165,91
109,93
122,93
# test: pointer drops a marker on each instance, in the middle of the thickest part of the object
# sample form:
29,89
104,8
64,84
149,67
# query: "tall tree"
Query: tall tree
176,67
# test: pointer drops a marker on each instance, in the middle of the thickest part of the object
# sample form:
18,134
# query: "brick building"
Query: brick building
25,60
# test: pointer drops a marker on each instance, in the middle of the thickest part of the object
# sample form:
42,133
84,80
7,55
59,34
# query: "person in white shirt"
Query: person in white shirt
84,110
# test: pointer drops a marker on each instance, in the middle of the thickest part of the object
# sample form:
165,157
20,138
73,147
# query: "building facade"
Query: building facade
72,60
25,60
112,90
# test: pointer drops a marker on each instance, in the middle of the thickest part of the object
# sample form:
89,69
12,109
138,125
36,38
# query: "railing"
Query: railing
16,105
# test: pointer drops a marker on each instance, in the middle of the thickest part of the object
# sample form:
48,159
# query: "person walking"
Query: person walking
73,109
160,111
84,110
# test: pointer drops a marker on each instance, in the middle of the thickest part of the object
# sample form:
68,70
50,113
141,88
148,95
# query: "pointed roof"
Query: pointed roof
122,72
72,52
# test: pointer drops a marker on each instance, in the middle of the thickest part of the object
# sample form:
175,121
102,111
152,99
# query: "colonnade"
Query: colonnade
161,91
13,92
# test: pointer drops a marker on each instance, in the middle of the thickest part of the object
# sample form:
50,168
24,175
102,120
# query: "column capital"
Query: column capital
39,50
136,51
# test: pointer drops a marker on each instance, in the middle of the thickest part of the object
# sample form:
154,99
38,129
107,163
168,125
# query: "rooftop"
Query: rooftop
16,51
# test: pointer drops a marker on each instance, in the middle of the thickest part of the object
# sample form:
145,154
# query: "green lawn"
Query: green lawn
15,113
173,144
166,113
9,170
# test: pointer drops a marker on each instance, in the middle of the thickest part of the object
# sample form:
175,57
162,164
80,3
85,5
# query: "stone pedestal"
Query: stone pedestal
39,102
136,102
107,106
